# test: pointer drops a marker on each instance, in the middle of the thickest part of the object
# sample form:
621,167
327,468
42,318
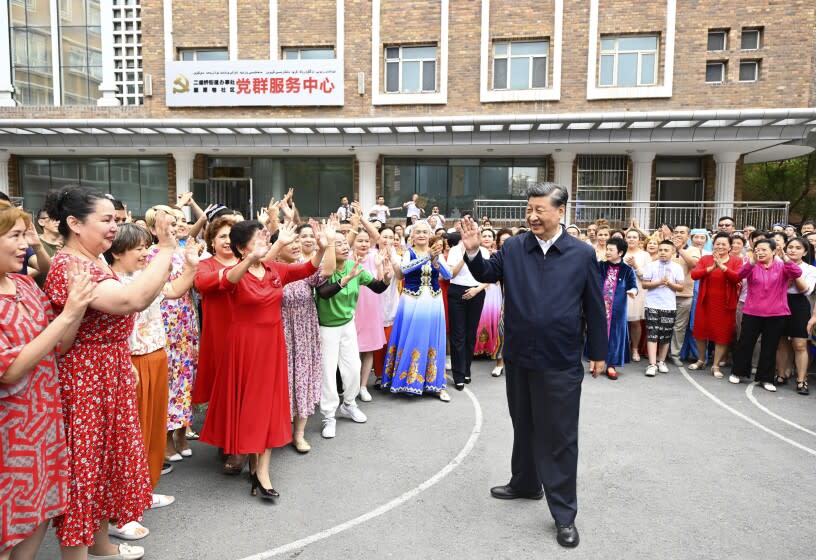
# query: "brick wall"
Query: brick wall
786,80
14,177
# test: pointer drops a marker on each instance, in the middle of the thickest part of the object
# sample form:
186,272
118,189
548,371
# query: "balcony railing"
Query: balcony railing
648,213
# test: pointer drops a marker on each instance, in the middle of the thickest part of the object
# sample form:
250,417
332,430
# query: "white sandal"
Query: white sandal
132,531
444,396
161,500
126,552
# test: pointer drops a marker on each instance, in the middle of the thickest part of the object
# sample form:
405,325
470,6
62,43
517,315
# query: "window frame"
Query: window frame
196,50
509,56
616,55
301,50
756,64
723,71
399,61
757,31
724,33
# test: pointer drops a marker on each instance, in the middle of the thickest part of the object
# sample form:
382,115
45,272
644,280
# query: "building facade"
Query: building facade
632,105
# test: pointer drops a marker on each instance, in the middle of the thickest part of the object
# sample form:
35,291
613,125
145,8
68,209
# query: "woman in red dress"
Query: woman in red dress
33,452
249,404
108,473
715,317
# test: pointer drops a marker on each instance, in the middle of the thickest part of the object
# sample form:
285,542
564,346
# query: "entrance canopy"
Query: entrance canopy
760,134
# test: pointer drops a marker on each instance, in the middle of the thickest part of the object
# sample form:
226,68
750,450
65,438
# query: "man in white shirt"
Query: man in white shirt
380,210
466,298
439,217
411,209
344,211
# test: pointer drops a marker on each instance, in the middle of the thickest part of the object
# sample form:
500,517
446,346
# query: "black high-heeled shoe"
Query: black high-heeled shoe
266,493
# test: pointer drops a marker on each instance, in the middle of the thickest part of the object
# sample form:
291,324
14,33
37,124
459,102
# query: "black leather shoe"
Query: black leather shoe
459,386
507,492
567,536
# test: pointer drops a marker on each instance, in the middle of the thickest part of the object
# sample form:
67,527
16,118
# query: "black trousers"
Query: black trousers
771,329
544,409
463,315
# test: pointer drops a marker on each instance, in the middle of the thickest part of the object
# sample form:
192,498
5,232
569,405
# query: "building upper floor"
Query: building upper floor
350,59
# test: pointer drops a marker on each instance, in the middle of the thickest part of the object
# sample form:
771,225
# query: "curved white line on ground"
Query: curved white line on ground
398,501
749,392
751,421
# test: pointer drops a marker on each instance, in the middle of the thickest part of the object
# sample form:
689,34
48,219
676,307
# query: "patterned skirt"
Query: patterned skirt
415,358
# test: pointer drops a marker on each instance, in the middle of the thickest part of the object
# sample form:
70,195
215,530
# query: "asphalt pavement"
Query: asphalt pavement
680,466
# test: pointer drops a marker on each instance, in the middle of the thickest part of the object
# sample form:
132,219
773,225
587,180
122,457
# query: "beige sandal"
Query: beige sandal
715,371
699,364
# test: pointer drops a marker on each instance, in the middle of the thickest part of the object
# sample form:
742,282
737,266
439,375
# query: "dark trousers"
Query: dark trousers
771,329
463,316
544,410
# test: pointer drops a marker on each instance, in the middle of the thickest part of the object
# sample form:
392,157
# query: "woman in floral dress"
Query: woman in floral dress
108,473
33,470
302,333
181,323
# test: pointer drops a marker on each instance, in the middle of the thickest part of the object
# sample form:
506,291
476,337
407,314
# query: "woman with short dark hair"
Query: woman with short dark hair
715,313
618,288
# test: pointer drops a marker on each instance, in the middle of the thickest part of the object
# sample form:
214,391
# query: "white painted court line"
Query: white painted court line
749,392
739,414
398,501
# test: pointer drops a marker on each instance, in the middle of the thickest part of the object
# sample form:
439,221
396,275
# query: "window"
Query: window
749,70
715,72
717,40
319,53
203,54
750,40
452,184
410,69
30,41
629,61
600,179
138,182
127,51
520,65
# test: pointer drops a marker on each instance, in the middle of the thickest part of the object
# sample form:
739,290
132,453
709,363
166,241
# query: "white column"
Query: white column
6,85
724,184
108,86
367,174
563,176
641,187
233,29
184,173
4,169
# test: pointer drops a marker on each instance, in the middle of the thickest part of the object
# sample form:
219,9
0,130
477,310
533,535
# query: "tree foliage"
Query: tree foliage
793,180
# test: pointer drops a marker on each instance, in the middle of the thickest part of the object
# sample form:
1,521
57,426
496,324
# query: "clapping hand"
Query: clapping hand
191,253
286,233
355,216
31,236
260,248
471,239
165,230
80,291
356,269
184,199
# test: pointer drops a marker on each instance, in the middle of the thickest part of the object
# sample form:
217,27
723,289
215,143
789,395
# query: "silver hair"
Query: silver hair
558,194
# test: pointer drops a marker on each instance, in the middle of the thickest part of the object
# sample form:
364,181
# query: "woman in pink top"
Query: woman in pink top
764,312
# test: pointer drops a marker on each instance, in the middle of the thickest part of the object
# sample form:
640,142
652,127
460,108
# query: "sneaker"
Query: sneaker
497,371
733,379
365,396
769,387
676,361
166,468
651,371
353,412
662,367
329,428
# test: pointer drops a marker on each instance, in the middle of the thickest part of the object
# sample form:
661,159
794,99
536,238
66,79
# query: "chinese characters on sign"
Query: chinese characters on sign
254,83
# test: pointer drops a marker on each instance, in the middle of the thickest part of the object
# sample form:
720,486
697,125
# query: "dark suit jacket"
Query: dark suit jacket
545,300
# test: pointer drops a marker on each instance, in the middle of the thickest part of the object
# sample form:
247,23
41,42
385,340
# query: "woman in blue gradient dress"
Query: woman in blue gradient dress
415,357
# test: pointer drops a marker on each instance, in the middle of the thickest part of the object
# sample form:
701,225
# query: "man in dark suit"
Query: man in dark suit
551,291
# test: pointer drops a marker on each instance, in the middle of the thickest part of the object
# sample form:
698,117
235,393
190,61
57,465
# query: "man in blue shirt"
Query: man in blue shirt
551,293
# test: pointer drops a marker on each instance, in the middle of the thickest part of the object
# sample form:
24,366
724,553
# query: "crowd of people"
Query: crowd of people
113,329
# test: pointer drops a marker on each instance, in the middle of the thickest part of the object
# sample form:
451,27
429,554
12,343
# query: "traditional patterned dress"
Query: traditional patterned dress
616,280
302,333
108,471
487,333
181,323
415,358
33,452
